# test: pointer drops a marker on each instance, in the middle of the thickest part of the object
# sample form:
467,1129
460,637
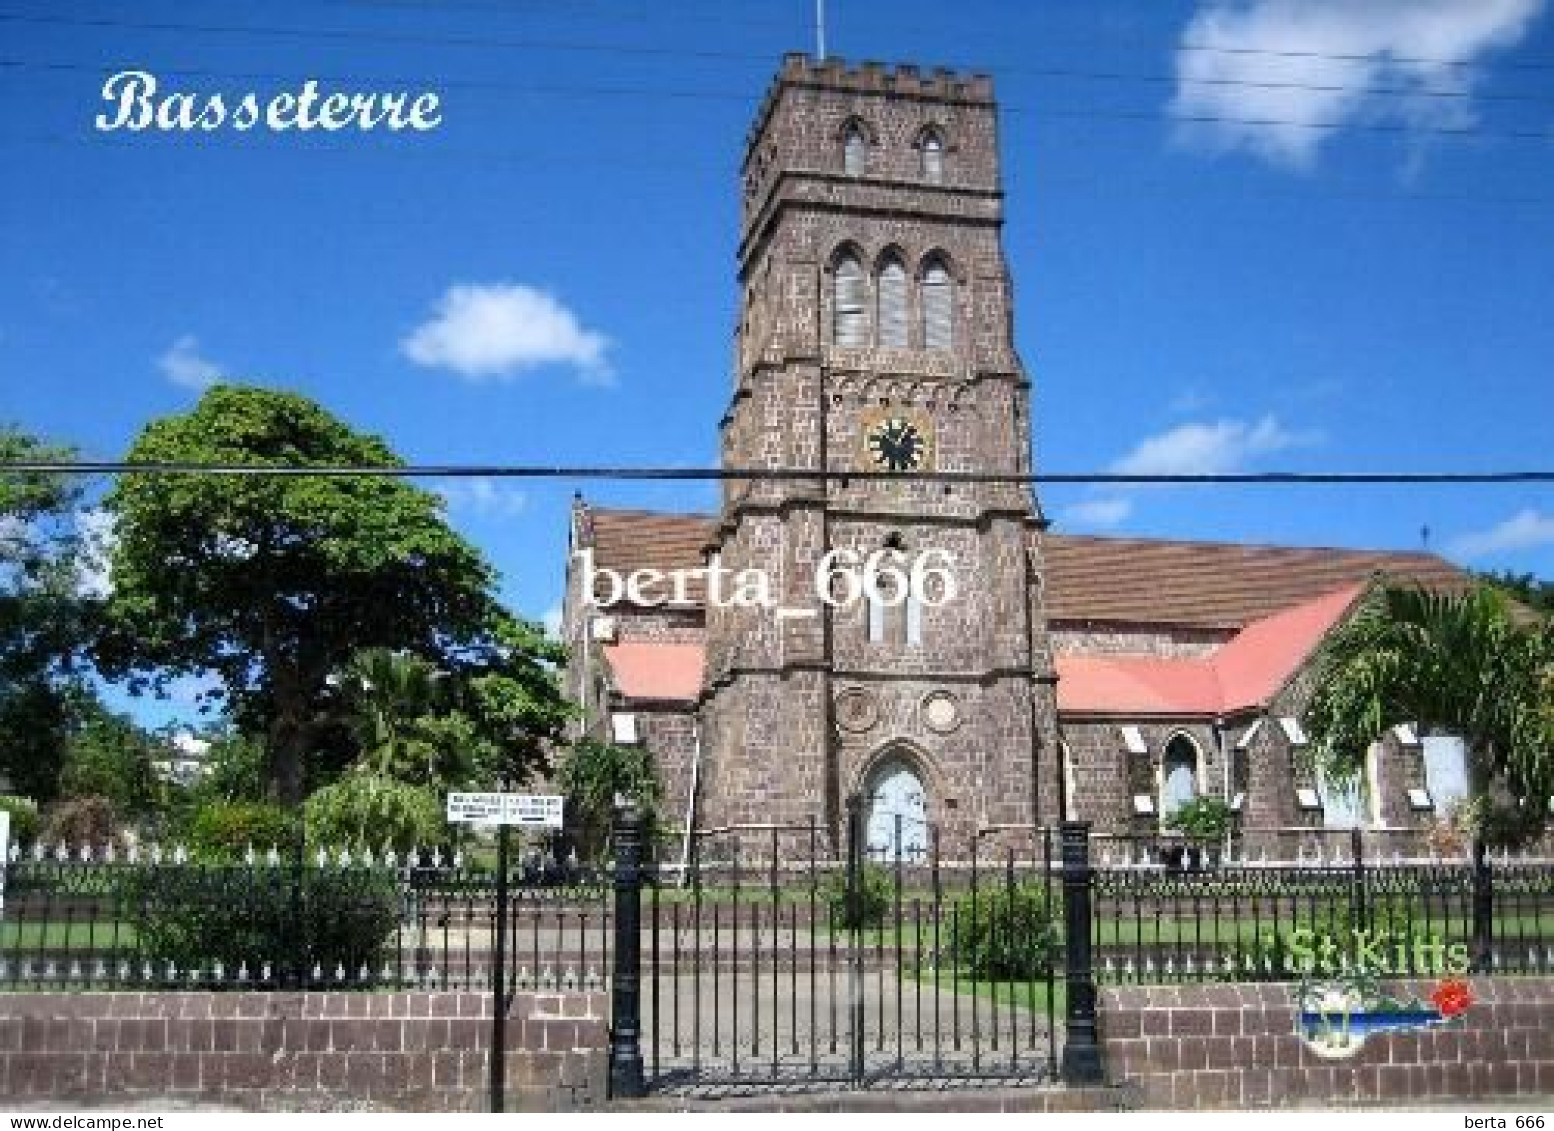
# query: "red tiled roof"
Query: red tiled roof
1120,580
648,669
1246,672
1210,584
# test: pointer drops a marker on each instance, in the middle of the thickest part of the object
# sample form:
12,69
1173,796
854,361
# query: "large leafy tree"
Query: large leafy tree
492,715
44,615
1457,663
272,582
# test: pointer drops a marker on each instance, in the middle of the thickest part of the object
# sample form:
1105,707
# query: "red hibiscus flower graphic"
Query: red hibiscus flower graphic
1452,996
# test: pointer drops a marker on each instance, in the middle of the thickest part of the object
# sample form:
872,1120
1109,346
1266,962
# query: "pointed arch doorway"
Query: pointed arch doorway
896,810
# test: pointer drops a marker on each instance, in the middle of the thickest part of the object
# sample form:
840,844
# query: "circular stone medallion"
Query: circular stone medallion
941,712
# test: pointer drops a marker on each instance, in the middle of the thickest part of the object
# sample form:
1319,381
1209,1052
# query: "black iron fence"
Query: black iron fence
1256,920
329,921
765,958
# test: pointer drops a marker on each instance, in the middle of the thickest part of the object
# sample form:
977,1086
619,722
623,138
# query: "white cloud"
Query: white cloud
1524,530
500,330
1102,513
1294,71
485,497
94,575
552,622
184,365
1218,448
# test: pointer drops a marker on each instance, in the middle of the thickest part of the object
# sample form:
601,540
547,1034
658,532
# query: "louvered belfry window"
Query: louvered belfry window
933,158
938,308
851,326
855,151
893,305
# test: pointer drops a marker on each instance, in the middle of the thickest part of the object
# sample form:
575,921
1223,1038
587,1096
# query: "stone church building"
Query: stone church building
1007,675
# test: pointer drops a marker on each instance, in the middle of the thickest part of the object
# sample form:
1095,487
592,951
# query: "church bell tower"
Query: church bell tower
874,342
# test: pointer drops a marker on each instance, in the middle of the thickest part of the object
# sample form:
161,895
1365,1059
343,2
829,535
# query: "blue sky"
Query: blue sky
1250,235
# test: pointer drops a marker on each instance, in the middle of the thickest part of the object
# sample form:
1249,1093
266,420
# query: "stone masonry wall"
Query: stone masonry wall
1235,1046
301,1051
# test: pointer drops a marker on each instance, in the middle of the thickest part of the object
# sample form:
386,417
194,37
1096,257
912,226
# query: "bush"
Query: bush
230,828
237,915
24,818
90,822
876,896
1006,933
365,811
1203,820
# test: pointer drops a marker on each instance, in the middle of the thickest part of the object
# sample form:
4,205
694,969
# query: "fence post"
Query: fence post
626,1074
1081,1049
1482,957
855,850
1361,909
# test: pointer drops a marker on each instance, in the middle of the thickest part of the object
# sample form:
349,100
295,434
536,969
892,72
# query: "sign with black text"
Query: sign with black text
534,810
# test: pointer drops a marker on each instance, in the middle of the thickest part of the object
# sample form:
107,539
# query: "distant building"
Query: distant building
1102,679
183,762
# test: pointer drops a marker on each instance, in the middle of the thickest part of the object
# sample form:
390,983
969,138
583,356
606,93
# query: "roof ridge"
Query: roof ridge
1118,539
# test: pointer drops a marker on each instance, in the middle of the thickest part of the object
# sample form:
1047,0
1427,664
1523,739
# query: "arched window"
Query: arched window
1178,774
898,812
933,157
938,307
893,304
855,150
851,325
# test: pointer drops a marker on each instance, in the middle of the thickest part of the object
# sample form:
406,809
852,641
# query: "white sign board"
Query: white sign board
539,810
530,809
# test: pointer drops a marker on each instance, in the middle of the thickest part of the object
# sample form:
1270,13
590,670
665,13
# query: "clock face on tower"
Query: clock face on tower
896,443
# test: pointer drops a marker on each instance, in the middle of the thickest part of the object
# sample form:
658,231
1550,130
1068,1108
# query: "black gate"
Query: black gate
766,959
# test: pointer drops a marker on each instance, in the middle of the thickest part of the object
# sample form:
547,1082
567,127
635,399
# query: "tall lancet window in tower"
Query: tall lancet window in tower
938,307
893,304
855,151
933,157
851,316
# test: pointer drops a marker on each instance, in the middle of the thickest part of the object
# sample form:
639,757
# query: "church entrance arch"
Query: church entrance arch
896,810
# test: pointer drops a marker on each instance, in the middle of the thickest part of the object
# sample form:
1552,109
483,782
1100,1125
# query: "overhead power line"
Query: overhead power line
640,92
488,43
797,26
781,474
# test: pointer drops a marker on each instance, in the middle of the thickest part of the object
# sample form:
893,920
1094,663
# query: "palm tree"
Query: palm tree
388,691
1464,663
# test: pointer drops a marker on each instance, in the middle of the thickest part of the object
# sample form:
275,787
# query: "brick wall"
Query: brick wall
1233,1046
301,1051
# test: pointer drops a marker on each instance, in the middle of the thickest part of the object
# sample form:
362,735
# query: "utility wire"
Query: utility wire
778,474
486,42
640,92
797,26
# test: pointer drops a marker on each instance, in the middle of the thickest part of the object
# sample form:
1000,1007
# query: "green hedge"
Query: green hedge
230,828
195,917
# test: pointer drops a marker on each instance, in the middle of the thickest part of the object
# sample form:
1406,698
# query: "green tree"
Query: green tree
1530,589
389,693
108,755
1456,663
593,774
272,582
44,615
